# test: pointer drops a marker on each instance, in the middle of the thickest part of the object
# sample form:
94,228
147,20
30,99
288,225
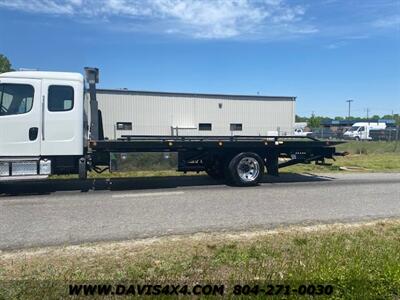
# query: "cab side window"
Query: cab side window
15,99
60,98
362,128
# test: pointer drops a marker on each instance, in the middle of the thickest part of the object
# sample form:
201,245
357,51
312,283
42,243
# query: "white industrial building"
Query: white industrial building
157,113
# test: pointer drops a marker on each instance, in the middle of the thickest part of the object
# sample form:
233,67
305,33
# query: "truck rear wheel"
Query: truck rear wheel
246,169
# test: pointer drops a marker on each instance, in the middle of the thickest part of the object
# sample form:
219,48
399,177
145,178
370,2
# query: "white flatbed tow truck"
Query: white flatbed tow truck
45,129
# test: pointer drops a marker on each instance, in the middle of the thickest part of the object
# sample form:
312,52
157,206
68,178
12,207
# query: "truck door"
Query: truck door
20,117
63,118
363,133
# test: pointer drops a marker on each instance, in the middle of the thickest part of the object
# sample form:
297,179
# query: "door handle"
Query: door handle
33,133
43,118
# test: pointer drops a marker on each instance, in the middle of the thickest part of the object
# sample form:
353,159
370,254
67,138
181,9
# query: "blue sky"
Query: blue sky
324,52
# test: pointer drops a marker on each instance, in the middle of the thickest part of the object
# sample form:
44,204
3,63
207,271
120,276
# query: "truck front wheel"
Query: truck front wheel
246,169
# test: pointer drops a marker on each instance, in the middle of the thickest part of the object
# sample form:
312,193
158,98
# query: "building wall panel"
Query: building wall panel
155,114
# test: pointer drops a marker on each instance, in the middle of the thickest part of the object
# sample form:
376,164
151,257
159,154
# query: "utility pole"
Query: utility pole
349,101
367,113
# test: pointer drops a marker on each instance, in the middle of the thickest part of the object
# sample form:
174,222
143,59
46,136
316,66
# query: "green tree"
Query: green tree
301,119
5,65
314,121
397,118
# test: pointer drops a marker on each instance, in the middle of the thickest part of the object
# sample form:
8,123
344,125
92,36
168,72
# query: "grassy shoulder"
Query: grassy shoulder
370,147
363,157
358,260
385,162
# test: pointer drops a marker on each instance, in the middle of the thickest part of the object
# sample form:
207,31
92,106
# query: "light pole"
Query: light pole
349,101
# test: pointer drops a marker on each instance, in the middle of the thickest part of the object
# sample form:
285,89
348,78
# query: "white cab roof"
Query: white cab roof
43,75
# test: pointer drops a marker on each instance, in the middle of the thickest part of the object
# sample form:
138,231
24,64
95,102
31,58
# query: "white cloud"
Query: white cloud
40,6
196,18
392,21
336,45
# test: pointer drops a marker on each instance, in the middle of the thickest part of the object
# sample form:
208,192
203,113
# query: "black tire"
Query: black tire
245,169
82,168
357,139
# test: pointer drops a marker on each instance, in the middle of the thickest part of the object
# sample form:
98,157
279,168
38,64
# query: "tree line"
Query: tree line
316,121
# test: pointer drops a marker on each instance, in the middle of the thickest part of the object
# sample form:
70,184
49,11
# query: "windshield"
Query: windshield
354,128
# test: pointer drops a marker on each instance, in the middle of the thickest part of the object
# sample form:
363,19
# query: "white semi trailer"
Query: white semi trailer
45,129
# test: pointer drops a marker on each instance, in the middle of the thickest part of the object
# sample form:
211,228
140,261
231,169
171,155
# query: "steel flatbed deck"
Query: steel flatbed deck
181,143
240,160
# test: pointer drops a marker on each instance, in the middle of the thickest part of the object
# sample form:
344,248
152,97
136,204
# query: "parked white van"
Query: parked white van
360,130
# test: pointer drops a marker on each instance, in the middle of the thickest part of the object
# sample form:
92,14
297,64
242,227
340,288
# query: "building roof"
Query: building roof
43,75
199,95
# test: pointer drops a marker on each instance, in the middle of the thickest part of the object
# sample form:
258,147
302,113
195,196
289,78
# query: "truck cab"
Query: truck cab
41,122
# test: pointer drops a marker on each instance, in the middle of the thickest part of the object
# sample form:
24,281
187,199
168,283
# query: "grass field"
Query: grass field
361,261
385,162
354,147
363,157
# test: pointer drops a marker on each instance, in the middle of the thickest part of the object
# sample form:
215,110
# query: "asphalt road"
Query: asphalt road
54,213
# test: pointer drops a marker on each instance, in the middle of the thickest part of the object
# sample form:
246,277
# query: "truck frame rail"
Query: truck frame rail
223,157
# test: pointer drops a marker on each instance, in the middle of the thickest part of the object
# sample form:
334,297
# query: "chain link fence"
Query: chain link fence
388,134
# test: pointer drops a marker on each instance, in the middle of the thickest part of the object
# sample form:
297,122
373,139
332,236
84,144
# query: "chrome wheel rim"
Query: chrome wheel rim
248,169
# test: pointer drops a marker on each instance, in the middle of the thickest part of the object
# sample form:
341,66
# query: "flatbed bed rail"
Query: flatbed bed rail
185,143
213,138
